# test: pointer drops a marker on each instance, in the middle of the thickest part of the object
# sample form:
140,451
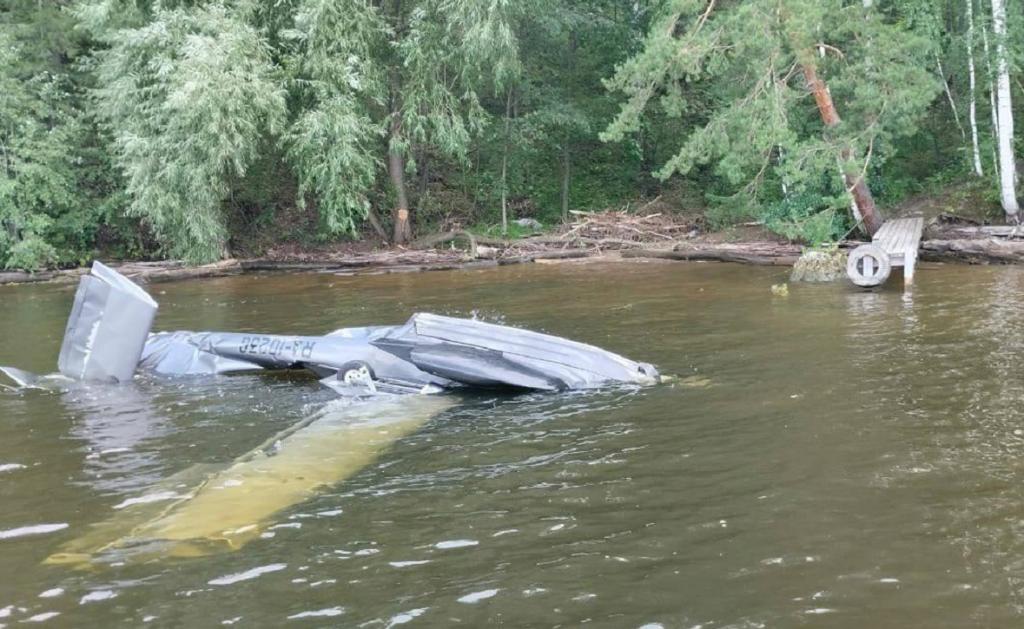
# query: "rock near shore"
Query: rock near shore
819,266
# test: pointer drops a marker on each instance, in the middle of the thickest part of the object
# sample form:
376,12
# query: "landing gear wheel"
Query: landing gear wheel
356,374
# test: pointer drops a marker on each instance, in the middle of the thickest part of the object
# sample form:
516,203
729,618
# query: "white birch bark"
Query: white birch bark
949,97
858,218
1007,166
973,110
991,104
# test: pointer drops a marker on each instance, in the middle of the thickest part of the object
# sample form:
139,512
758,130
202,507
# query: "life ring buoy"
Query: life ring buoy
868,265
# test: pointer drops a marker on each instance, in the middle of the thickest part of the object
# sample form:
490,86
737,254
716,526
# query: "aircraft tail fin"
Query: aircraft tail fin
107,329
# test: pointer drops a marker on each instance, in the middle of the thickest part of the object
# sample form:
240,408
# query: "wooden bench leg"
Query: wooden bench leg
908,269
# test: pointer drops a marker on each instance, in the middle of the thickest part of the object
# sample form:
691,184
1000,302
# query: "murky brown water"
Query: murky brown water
833,458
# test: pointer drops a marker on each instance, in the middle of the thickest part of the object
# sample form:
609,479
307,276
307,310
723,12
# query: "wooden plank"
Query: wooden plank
915,227
900,245
884,235
904,236
911,236
900,235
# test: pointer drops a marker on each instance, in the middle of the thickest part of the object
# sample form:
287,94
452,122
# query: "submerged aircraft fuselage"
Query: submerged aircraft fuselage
387,376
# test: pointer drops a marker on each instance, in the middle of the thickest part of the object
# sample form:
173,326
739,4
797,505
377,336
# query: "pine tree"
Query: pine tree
758,61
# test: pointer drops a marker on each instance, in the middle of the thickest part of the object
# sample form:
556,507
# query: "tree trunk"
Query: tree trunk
402,232
973,110
371,216
565,183
396,170
949,97
992,105
567,141
1007,167
855,183
423,167
504,165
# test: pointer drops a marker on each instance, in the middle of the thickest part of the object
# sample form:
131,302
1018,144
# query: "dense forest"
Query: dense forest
199,129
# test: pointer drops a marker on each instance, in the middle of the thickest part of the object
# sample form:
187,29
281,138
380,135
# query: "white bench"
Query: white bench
895,244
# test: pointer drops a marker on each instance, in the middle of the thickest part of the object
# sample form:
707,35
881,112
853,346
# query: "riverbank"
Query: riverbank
608,236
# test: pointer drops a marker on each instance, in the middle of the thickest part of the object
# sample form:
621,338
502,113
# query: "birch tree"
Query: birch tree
1004,109
992,105
972,110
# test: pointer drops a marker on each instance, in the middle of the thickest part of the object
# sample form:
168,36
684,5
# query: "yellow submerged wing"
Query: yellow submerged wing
232,506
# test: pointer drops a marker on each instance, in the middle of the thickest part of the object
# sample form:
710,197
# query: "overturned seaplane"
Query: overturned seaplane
385,376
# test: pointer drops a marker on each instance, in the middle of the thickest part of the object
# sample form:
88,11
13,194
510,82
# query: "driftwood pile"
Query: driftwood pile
621,230
653,235
593,232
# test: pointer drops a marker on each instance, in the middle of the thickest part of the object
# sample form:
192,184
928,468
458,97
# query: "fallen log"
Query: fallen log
144,271
21,277
757,253
981,231
547,255
415,268
178,271
432,240
974,251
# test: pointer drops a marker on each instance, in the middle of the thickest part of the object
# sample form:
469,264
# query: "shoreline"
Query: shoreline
984,250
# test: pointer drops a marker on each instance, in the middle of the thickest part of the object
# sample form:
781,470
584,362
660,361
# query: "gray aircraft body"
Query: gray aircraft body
108,339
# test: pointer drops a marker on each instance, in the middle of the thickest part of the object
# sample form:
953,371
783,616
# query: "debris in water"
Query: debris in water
695,382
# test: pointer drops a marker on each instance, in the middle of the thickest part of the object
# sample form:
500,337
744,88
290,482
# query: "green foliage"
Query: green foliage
186,127
186,98
805,218
742,68
334,142
47,208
